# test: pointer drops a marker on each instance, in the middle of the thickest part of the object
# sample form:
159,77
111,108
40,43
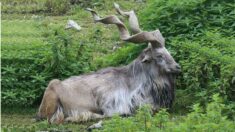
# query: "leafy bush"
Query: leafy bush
123,56
209,119
205,71
68,57
199,34
188,18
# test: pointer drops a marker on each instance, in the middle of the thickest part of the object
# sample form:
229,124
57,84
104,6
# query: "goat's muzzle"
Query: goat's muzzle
176,69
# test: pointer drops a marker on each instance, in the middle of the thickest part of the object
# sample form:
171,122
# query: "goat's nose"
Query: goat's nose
178,67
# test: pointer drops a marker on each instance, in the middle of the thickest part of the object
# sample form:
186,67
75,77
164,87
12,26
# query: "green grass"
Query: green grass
22,119
22,39
17,28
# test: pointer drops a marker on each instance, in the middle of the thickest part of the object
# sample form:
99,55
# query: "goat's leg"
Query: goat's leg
83,116
50,102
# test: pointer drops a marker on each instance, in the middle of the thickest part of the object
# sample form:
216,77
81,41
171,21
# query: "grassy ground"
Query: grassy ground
21,38
21,119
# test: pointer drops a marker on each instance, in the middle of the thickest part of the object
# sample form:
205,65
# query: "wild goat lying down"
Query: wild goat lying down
149,79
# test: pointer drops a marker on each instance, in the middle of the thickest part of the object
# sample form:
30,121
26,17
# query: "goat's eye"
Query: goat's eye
159,58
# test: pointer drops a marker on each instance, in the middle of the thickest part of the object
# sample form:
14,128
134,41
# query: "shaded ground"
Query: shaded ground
22,120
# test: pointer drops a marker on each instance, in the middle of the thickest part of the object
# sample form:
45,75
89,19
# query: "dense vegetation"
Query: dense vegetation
199,33
198,120
201,36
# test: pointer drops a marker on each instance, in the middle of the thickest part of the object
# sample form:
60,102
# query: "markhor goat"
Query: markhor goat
149,79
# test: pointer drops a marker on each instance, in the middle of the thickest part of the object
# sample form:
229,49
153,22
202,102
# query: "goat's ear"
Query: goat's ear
150,46
146,58
158,45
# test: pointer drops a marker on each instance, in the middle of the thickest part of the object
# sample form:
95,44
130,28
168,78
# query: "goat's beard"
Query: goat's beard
156,84
162,91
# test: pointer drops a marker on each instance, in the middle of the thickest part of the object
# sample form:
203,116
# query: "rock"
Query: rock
72,24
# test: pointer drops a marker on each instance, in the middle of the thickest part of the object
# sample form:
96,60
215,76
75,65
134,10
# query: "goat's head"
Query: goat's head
160,58
155,55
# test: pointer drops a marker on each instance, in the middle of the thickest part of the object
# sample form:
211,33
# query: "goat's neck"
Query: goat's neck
144,73
154,84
